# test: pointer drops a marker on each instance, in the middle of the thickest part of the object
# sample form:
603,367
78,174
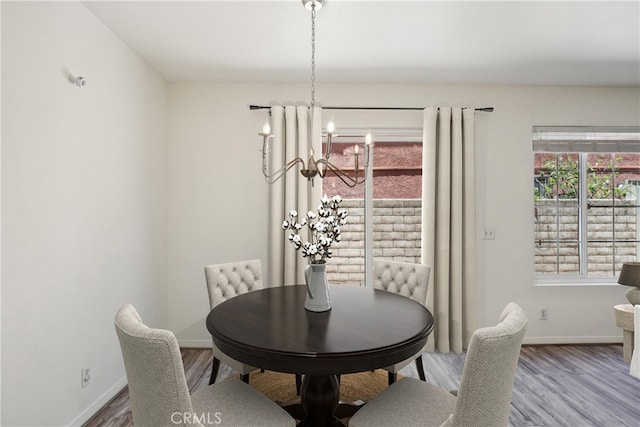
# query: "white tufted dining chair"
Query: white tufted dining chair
158,388
484,396
407,279
225,281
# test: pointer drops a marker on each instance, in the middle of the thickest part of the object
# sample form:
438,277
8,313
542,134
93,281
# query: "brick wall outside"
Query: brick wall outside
396,234
600,226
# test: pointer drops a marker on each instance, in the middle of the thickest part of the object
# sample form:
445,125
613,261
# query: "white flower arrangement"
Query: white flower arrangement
324,227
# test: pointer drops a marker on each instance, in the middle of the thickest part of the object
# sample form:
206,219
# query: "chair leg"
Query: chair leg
245,378
262,370
214,370
420,368
392,377
298,384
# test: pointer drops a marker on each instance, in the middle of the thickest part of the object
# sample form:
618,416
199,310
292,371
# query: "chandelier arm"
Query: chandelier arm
344,177
274,176
322,171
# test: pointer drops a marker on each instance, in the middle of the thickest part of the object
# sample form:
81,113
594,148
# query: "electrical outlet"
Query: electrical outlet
544,313
85,378
489,233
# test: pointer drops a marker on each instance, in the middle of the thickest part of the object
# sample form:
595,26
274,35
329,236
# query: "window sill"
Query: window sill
574,283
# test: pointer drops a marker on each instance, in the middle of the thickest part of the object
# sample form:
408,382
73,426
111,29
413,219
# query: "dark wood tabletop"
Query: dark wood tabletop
366,329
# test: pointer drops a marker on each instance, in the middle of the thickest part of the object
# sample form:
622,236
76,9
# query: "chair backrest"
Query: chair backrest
484,396
404,278
152,360
227,280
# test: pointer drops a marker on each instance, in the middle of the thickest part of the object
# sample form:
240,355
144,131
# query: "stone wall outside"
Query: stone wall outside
563,218
396,234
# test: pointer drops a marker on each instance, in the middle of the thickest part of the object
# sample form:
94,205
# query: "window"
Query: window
587,216
396,201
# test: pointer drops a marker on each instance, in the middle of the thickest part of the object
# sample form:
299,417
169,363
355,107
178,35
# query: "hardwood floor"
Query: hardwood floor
559,385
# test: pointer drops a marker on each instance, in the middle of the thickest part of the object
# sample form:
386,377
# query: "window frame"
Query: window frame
582,141
391,134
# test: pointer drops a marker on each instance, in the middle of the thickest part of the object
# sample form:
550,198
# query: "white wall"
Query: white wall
215,200
217,195
83,208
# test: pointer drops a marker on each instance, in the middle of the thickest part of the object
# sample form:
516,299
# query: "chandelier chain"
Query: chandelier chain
313,55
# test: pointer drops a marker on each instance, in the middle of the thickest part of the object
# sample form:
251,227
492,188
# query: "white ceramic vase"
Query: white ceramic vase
315,275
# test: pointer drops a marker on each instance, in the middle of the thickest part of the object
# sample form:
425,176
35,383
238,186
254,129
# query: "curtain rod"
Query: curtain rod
263,107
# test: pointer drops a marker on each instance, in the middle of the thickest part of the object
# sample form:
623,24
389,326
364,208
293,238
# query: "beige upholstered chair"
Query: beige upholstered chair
409,280
158,388
225,281
484,397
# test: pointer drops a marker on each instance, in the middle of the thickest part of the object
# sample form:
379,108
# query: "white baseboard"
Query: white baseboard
98,404
573,340
194,343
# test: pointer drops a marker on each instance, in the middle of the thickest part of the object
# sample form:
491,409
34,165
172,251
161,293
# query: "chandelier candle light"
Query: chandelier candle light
313,167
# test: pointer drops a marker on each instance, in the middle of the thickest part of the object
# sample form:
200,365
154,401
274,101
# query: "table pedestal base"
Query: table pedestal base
320,404
320,395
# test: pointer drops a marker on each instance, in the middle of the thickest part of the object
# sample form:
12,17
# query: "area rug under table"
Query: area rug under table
281,387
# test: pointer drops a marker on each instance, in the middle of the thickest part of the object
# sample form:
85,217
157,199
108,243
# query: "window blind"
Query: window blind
586,139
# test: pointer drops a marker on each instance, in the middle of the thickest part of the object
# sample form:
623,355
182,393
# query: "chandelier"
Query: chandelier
316,167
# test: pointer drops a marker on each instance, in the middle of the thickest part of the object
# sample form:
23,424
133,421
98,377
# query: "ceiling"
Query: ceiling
474,42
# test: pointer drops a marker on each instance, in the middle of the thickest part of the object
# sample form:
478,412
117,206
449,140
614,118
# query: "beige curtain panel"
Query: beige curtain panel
448,231
296,130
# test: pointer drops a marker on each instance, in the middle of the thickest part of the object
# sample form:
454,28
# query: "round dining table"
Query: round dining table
365,329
